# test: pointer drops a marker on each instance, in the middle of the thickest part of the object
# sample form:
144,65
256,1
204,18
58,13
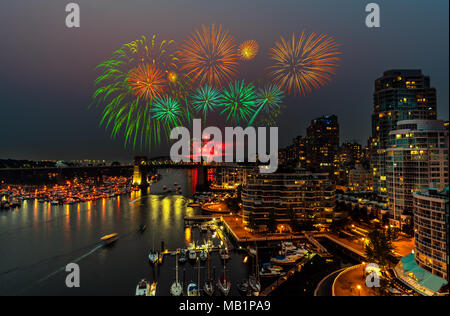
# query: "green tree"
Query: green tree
379,248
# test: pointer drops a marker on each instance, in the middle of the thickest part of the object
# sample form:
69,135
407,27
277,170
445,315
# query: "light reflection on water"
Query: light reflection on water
38,239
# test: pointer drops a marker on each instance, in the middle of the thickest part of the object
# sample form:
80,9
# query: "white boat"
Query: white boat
143,288
192,254
283,259
176,289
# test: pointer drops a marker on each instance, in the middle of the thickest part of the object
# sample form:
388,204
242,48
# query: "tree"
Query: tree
379,248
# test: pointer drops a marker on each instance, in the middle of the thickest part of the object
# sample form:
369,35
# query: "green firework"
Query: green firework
268,100
239,101
124,112
168,112
206,99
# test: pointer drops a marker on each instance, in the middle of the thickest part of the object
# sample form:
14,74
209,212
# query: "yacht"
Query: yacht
143,288
192,289
192,254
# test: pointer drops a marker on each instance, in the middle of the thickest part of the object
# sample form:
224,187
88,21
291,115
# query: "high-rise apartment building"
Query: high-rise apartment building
431,244
416,158
399,95
322,144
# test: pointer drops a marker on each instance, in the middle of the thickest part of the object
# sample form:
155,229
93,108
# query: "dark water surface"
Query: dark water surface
37,241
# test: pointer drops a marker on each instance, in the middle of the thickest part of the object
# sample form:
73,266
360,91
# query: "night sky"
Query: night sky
47,70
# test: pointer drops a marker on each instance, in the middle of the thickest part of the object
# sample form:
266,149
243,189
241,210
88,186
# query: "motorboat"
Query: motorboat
153,289
143,288
283,259
109,239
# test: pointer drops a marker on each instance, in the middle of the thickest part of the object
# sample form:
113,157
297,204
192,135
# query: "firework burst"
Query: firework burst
268,99
239,101
304,64
248,50
135,76
210,56
147,82
206,99
168,112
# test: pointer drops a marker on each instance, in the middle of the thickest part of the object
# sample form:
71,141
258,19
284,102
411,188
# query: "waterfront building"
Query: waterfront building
399,95
417,158
431,211
230,177
349,155
287,198
322,144
295,154
426,269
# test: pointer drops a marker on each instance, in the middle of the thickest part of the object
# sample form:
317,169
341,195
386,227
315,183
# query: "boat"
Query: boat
209,285
143,288
224,285
223,252
153,256
176,288
270,273
253,280
182,258
142,228
203,255
283,259
192,289
109,239
153,289
192,254
243,287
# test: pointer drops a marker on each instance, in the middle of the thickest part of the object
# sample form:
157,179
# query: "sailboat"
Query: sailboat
154,254
253,280
193,289
176,289
209,285
224,284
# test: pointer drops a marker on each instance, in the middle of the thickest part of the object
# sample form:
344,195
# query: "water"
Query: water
37,241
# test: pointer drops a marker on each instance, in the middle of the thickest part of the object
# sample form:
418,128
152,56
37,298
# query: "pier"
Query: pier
297,268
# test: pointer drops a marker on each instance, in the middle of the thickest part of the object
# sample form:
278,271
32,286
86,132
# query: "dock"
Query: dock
296,268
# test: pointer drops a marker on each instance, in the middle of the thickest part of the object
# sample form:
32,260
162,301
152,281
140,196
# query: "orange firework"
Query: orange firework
248,49
147,81
210,56
304,64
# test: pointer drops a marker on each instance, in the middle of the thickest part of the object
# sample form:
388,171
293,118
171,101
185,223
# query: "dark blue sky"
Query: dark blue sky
47,70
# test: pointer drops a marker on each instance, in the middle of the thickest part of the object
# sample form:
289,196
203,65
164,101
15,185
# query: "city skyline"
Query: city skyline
49,118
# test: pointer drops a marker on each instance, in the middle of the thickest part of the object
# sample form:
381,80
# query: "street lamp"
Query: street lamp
359,289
